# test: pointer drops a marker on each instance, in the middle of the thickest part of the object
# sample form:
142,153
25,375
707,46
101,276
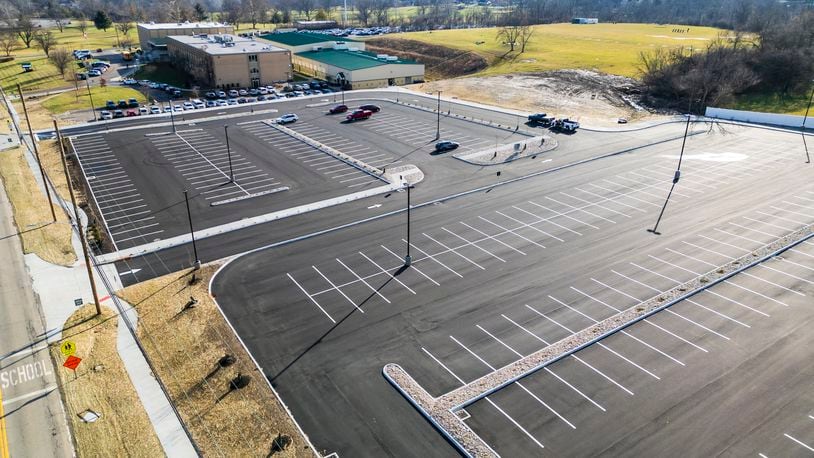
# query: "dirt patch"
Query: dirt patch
439,61
594,99
102,385
185,341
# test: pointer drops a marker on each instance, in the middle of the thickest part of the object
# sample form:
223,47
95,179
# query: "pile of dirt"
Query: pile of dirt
590,97
439,61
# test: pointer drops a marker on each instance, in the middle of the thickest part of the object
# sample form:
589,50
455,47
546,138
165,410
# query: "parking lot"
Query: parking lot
496,277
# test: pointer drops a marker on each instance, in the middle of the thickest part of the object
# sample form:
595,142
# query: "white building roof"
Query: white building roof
224,44
180,25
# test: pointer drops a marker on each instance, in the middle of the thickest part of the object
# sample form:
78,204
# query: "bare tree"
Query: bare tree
381,8
82,25
124,27
509,35
62,59
252,11
45,40
305,7
8,41
126,42
58,14
230,12
364,10
524,35
25,30
135,12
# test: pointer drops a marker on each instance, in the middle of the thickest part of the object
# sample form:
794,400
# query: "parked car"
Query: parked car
251,99
242,92
211,95
446,145
373,108
155,109
263,91
188,106
262,98
176,93
241,100
132,103
325,90
143,111
110,105
357,115
132,113
198,103
118,114
338,109
93,73
231,102
177,107
154,85
221,94
233,93
106,115
82,75
211,103
129,81
287,118
222,103
122,104
622,120
254,91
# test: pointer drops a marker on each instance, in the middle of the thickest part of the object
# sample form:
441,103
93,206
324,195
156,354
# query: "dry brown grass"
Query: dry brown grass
185,347
48,240
101,384
40,117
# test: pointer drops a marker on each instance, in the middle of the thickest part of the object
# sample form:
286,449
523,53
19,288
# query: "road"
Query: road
324,315
32,419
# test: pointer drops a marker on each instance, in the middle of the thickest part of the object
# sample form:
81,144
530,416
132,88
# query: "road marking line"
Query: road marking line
140,236
411,265
492,238
519,384
474,245
337,289
616,201
454,251
429,256
646,320
582,209
548,220
388,273
789,211
511,231
755,230
363,281
691,301
4,452
796,264
596,203
311,298
23,397
605,347
563,214
755,293
530,226
486,398
799,442
786,273
773,284
134,229
768,224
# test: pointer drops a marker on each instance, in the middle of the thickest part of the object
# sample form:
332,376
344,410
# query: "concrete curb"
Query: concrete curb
442,408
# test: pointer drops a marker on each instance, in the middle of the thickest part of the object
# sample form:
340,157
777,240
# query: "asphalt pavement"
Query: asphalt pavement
500,272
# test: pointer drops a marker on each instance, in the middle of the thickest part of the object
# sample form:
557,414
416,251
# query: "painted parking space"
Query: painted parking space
127,216
320,162
206,165
411,130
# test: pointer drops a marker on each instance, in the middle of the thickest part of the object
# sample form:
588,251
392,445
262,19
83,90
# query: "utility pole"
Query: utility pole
79,228
92,106
229,155
408,259
438,122
37,155
197,264
803,128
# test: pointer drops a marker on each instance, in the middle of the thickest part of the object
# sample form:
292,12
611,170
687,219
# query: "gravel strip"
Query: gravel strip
440,410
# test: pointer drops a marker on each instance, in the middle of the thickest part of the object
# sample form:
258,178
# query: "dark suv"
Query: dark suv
373,108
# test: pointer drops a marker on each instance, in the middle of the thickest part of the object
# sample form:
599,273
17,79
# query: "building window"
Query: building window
252,57
254,70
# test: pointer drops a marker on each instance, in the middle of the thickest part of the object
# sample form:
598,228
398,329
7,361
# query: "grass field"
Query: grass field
79,100
608,48
45,76
773,103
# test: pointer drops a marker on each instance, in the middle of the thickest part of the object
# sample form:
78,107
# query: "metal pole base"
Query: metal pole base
408,260
197,265
653,231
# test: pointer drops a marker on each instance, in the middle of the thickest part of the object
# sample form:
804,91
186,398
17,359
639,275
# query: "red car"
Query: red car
338,109
132,113
359,114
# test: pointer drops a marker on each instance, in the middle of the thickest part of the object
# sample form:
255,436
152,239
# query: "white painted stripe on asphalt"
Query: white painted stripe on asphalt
563,215
756,293
133,229
582,209
810,448
772,283
411,266
787,274
375,291
548,220
429,256
490,237
615,201
140,236
692,301
334,287
530,226
473,244
311,298
510,231
454,251
33,394
596,204
387,272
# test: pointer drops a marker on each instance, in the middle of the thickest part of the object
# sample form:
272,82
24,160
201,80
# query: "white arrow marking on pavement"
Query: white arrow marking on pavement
374,206
132,271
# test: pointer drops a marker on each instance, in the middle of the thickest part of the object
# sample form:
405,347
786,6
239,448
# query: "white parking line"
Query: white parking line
429,256
474,245
142,236
454,252
810,448
603,199
134,229
582,209
333,286
615,201
387,272
530,226
547,220
787,274
563,214
508,417
412,266
511,231
311,298
375,291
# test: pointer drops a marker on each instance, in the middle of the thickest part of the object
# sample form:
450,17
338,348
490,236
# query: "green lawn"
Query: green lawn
773,103
162,72
77,100
45,76
608,48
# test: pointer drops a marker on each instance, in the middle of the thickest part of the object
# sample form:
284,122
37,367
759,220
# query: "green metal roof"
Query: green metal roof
299,39
348,60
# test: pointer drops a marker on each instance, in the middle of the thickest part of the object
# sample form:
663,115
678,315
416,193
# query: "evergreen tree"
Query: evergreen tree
102,21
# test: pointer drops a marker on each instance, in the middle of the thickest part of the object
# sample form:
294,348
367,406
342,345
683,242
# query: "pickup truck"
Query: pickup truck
541,118
359,114
566,125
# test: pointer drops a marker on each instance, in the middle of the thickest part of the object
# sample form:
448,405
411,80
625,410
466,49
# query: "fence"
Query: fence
760,118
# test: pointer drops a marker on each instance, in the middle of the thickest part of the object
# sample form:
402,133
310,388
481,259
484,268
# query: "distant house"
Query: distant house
585,20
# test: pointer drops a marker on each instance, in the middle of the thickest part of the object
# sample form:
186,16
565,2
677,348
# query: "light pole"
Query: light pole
803,128
90,96
676,177
229,155
438,118
172,116
408,259
197,264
